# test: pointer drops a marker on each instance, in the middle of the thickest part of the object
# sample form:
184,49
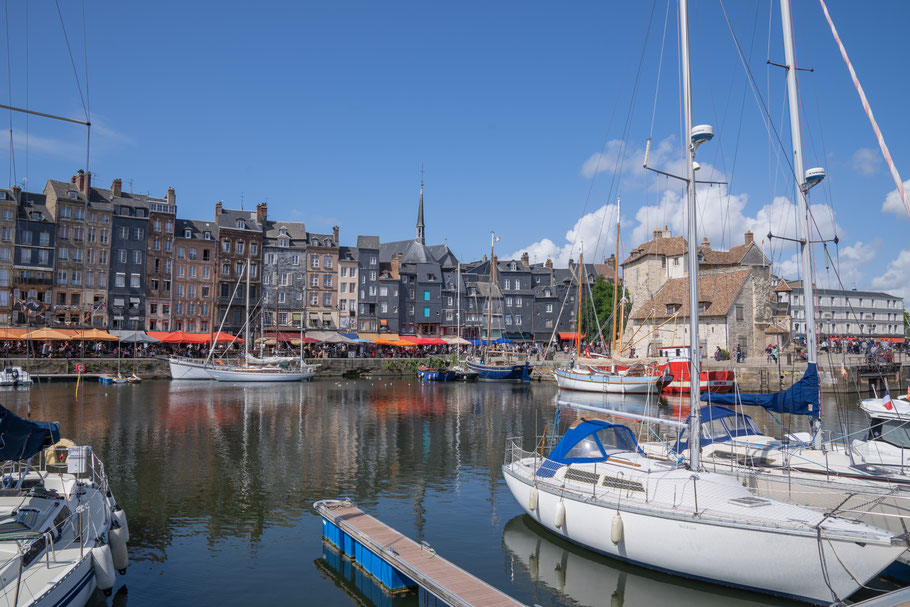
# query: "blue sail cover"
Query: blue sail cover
592,441
802,398
21,438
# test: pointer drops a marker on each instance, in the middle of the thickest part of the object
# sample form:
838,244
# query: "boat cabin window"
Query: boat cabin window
586,448
892,431
608,441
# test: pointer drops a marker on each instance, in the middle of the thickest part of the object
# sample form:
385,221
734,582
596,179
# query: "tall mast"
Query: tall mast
615,279
246,337
492,282
458,300
694,355
802,186
579,271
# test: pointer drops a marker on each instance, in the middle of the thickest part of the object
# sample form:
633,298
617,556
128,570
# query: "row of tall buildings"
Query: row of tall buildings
81,255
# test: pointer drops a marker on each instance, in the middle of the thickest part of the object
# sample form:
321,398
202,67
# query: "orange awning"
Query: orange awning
47,334
570,335
13,334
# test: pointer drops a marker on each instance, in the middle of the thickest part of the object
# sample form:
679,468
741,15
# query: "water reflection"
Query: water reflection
591,580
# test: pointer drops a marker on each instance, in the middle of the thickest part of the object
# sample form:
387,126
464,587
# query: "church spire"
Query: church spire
421,239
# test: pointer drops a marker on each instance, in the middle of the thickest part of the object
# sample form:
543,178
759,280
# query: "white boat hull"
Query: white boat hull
607,384
255,375
754,559
184,369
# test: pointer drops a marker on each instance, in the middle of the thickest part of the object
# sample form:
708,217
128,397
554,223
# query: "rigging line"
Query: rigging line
766,116
868,108
9,83
72,60
625,134
660,64
88,100
26,94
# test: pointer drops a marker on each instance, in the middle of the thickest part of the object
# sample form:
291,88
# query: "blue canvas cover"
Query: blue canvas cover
593,441
21,438
717,433
802,398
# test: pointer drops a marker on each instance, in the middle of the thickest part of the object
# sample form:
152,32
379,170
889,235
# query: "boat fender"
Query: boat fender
116,539
103,563
533,498
560,518
616,529
119,517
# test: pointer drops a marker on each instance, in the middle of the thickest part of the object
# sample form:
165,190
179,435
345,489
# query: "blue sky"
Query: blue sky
328,110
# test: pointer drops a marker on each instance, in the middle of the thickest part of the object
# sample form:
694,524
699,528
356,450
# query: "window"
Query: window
63,253
314,299
549,308
44,239
79,214
508,284
241,247
326,299
206,272
518,319
314,261
327,261
372,274
169,226
225,246
327,281
119,279
66,212
134,281
508,302
253,270
295,260
372,260
192,272
90,256
43,257
426,311
518,302
314,280
205,292
282,297
179,290
76,278
180,271
241,224
168,266
384,307
77,255
138,233
5,234
238,268
121,255
508,319
269,258
206,255
124,233
225,269
137,257
181,253
739,312
254,249
104,237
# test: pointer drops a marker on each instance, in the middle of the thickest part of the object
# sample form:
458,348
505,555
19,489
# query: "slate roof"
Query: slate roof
368,242
197,227
348,254
95,201
322,239
295,229
718,290
433,253
228,219
417,253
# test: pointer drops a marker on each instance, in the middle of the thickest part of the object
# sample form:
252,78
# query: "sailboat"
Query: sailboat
245,372
488,367
597,488
594,376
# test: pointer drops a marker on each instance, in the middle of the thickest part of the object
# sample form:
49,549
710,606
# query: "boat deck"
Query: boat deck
436,575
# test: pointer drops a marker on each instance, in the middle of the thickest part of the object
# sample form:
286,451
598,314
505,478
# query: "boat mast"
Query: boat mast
458,300
579,272
246,337
615,279
802,187
694,354
490,298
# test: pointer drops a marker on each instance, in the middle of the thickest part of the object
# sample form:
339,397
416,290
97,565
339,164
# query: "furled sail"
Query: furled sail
22,438
802,398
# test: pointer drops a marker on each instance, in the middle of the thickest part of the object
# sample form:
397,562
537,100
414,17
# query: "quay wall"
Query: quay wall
751,377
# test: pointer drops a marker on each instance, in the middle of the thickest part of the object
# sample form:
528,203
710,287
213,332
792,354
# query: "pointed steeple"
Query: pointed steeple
420,228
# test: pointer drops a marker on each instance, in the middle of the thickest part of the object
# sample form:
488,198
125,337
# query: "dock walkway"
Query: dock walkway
446,581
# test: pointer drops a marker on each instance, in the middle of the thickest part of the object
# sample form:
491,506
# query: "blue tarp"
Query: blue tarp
21,438
741,425
499,340
589,442
802,398
349,335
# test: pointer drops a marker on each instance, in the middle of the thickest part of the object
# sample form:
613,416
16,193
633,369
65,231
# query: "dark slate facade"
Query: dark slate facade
129,251
33,261
368,297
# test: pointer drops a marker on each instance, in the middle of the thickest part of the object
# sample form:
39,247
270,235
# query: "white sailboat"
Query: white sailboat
246,372
682,518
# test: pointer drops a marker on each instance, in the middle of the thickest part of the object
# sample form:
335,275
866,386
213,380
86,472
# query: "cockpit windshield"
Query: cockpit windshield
892,431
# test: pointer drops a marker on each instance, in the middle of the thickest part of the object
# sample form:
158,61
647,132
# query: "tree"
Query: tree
602,294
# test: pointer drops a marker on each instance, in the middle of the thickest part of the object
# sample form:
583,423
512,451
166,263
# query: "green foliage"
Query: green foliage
602,294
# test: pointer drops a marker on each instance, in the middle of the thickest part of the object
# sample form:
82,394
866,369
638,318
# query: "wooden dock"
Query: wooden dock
447,582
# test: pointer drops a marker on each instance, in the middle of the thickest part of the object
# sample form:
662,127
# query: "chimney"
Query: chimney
117,187
525,258
335,233
79,179
705,243
16,191
484,256
171,196
262,212
87,184
549,263
657,233
218,210
749,237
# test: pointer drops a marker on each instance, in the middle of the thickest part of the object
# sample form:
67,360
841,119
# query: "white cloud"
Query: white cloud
893,203
894,280
866,161
633,156
596,230
850,262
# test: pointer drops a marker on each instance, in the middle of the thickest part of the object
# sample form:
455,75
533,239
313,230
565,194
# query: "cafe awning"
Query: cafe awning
47,335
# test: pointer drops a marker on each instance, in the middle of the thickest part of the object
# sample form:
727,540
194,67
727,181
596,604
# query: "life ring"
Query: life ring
14,373
56,453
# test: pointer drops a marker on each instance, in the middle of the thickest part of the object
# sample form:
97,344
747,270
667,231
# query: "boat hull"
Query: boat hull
486,372
185,369
257,376
435,375
609,384
750,558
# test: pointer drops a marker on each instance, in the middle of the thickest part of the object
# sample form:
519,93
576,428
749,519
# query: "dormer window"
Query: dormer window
241,224
513,266
315,242
546,293
207,235
187,233
73,195
672,308
328,243
284,241
283,230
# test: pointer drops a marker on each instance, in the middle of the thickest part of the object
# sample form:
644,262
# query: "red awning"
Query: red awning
285,336
424,341
180,337
570,335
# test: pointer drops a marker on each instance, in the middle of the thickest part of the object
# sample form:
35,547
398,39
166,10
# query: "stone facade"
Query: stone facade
284,275
159,293
348,270
240,235
322,281
850,314
195,276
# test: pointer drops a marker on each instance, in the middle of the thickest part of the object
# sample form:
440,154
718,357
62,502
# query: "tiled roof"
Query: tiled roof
673,245
782,286
718,290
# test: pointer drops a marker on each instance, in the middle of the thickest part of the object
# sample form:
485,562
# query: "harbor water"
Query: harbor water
218,482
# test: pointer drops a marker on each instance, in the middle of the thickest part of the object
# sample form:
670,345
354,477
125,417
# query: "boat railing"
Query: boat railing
83,530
